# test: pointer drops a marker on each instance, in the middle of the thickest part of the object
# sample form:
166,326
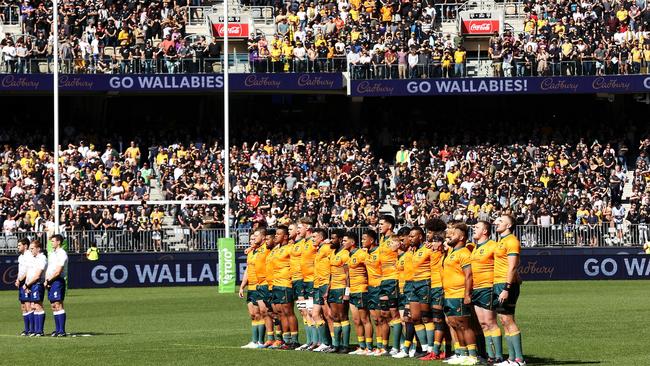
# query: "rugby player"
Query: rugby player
457,285
373,267
282,290
262,292
34,287
249,281
483,296
507,285
24,260
338,294
358,279
307,258
389,289
276,309
57,271
321,313
296,243
405,269
435,236
420,300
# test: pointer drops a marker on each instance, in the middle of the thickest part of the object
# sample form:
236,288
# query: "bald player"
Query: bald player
506,286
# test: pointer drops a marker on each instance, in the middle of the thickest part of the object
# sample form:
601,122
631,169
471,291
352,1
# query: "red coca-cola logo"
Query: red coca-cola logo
234,30
483,26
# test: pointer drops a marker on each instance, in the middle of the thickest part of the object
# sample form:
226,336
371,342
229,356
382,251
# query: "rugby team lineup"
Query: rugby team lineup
431,293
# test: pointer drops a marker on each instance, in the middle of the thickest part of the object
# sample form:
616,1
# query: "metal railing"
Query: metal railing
26,65
267,64
596,235
10,14
262,14
9,241
185,239
198,15
496,69
164,65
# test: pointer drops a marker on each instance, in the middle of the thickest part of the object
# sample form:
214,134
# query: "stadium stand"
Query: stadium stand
370,39
563,193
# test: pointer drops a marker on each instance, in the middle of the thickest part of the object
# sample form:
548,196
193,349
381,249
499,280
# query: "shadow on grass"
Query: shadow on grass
532,360
92,334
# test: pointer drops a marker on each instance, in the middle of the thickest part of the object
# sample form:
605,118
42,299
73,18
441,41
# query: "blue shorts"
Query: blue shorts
37,292
22,295
56,292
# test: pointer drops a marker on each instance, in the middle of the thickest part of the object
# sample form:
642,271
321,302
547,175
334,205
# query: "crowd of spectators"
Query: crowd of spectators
107,37
401,39
373,39
338,183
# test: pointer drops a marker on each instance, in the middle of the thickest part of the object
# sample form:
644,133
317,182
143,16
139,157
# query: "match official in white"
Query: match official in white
55,283
34,287
24,259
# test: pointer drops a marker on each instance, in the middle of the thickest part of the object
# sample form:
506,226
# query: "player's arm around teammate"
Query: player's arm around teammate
436,230
358,279
457,284
321,311
338,294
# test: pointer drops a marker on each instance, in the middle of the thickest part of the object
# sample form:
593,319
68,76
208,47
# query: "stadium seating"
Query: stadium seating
561,193
373,39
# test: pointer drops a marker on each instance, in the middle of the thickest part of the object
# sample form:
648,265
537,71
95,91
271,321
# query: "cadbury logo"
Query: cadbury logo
309,80
366,87
613,83
254,80
12,81
75,82
558,84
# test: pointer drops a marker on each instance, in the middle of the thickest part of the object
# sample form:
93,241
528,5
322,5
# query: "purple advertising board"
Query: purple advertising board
191,269
171,82
622,84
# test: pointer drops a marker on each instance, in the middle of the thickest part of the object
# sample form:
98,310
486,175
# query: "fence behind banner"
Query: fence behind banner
184,239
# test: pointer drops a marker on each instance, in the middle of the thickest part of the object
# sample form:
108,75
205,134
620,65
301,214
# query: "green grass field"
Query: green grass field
563,323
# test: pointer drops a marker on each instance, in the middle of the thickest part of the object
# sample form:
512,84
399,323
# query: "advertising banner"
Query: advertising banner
190,269
623,84
170,82
227,265
474,27
235,30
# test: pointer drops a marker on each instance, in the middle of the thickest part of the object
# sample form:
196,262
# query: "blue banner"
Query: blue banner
190,269
171,82
622,84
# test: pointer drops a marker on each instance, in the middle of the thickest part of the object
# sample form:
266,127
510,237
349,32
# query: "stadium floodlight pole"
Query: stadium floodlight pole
226,124
55,76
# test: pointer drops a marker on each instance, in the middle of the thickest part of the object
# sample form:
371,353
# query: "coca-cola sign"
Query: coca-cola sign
235,30
480,26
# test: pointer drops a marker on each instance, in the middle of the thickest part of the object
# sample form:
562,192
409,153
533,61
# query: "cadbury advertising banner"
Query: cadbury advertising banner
170,83
495,86
188,269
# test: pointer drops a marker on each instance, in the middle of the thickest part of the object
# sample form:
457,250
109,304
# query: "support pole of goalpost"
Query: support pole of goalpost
55,76
226,122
